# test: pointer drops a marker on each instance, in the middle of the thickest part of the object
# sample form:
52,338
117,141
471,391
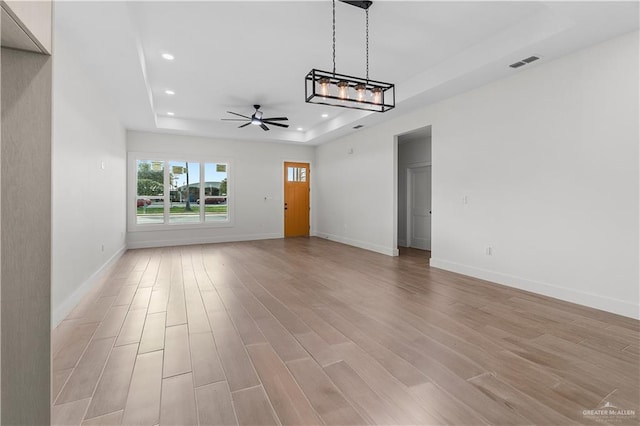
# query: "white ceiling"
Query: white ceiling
230,55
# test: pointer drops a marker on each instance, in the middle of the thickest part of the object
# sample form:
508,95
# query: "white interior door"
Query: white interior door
419,208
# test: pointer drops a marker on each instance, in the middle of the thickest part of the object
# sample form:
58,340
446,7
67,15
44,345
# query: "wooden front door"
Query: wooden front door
296,199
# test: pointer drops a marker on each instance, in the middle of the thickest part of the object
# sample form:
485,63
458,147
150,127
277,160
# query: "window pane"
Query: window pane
215,190
150,192
296,174
185,192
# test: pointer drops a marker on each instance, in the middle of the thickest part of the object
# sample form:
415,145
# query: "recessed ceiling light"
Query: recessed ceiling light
168,56
300,129
325,115
171,113
169,92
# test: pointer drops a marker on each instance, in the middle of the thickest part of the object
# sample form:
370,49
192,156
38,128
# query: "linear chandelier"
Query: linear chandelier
331,88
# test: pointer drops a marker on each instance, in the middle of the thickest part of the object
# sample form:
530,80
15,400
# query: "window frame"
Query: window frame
132,191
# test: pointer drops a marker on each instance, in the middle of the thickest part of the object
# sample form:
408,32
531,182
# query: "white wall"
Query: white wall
549,161
410,153
256,174
88,203
356,181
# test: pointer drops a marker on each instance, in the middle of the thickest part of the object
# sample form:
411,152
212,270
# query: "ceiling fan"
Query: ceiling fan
257,119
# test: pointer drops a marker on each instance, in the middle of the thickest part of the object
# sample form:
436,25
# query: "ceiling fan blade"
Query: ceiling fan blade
275,119
235,113
233,119
244,125
265,128
275,124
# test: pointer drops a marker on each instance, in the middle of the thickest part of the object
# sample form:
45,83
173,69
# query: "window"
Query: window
150,199
180,193
185,192
296,174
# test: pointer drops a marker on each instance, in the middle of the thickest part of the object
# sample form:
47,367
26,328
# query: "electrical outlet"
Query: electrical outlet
489,251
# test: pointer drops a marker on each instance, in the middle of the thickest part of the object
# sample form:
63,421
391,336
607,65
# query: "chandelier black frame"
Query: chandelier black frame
345,91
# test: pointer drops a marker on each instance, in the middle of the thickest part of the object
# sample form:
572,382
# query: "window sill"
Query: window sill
178,226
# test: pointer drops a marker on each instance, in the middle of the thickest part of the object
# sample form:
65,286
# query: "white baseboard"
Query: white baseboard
389,251
604,303
205,240
61,312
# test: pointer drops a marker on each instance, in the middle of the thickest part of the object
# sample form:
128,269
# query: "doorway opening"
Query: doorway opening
296,199
414,193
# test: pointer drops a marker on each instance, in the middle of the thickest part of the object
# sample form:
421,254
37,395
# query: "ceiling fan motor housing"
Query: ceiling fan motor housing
257,119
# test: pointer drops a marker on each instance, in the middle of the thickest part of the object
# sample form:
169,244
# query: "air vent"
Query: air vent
525,61
359,126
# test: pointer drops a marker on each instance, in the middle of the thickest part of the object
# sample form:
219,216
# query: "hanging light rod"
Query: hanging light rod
361,4
331,88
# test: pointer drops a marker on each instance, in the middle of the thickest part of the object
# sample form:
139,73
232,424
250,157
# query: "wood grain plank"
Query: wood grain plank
159,300
214,405
246,326
70,353
206,362
235,361
126,295
285,395
177,356
84,378
110,326
196,314
58,379
325,397
178,405
143,400
253,407
153,333
131,330
514,400
176,309
111,393
61,335
141,298
369,405
69,414
112,419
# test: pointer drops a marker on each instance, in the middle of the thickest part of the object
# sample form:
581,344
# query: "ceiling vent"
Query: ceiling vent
525,61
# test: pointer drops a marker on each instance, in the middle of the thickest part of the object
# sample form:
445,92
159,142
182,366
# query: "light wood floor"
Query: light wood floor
306,331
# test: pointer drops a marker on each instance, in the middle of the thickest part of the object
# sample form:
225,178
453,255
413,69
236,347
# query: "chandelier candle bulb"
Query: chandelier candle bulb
377,95
324,86
343,89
